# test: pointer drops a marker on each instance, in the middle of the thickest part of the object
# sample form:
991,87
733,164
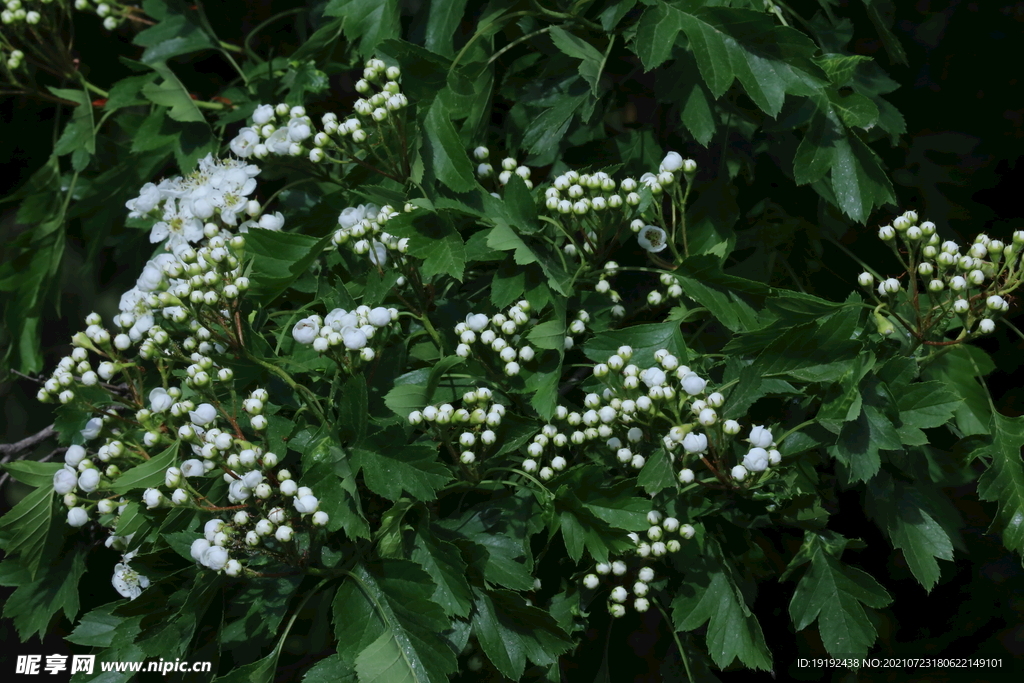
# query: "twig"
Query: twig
25,444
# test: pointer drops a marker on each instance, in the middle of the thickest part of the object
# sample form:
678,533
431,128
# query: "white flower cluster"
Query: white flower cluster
286,131
362,228
183,207
262,525
509,167
352,330
502,334
600,202
970,286
18,12
477,420
663,537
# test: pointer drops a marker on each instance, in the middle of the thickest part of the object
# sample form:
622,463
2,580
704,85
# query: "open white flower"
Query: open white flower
652,238
128,582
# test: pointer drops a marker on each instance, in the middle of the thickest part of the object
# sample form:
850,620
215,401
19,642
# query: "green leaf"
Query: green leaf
352,409
856,110
175,35
98,627
697,115
371,22
645,340
171,93
32,473
521,206
924,405
509,631
442,23
27,527
955,370
80,133
125,93
279,259
148,474
858,179
503,238
548,335
333,669
388,613
1003,481
413,469
656,35
816,152
32,605
405,398
840,68
446,255
657,475
449,160
860,441
834,595
769,60
592,61
733,632
910,528
442,561
889,40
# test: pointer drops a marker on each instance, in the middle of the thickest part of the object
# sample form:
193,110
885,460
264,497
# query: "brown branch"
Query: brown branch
27,443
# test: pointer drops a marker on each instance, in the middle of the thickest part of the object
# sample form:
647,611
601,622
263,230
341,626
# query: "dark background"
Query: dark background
959,165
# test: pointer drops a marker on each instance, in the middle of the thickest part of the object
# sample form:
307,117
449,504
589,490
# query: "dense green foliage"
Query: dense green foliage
438,355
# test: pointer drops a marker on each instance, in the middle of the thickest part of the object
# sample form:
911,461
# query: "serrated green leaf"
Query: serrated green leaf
769,60
816,152
657,475
548,335
80,133
27,528
1003,481
32,605
98,627
446,255
148,474
510,632
442,561
656,35
371,22
279,259
333,669
405,398
697,115
32,473
387,612
856,110
503,238
413,469
835,594
442,22
860,441
858,179
910,528
172,94
592,61
175,35
449,159
733,632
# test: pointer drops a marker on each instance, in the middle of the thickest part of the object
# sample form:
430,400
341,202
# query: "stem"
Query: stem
675,637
